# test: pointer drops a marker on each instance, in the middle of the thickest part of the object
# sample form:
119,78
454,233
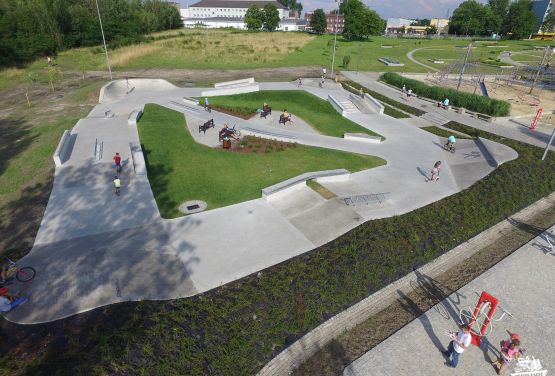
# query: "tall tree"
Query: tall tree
292,4
254,17
473,18
271,17
500,8
318,21
520,20
549,23
360,21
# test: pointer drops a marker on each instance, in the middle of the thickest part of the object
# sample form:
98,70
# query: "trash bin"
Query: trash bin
226,143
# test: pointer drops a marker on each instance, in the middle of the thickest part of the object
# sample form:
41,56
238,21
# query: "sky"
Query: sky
388,8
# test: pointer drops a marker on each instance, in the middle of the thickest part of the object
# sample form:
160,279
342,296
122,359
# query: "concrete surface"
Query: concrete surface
523,282
87,229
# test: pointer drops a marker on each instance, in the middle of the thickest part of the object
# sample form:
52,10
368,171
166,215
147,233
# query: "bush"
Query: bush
346,61
472,102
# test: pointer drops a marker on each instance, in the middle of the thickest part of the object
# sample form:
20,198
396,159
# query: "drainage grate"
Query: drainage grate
193,207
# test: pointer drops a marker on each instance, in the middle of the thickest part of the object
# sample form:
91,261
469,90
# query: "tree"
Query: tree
360,21
318,21
520,20
549,23
500,8
54,75
271,17
292,4
472,18
254,17
432,30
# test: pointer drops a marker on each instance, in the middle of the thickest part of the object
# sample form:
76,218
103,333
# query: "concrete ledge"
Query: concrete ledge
300,351
333,178
247,131
134,116
378,107
337,105
230,90
103,90
285,187
138,158
389,63
61,150
235,83
362,137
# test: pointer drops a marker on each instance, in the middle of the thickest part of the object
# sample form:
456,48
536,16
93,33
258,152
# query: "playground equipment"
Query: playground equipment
482,316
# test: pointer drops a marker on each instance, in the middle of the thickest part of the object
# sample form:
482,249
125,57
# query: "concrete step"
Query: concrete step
350,108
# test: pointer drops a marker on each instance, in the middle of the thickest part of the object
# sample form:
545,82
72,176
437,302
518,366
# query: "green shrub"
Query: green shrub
346,61
469,101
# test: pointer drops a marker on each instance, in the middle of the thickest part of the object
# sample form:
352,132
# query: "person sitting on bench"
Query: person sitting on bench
266,110
285,117
227,133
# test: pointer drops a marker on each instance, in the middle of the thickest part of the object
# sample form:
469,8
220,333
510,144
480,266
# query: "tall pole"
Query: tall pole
104,40
335,39
545,53
548,145
464,65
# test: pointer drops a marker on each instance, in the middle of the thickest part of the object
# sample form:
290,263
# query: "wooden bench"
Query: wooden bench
283,119
266,112
204,127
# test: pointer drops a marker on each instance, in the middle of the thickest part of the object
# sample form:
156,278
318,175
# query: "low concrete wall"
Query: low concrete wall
296,354
230,90
335,104
362,137
290,185
103,90
138,158
242,82
367,104
134,116
61,150
378,107
247,131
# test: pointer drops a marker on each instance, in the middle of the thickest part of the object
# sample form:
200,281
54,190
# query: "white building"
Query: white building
231,8
212,14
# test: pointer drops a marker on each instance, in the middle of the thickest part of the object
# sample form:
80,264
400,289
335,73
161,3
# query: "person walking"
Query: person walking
324,71
459,342
117,162
510,349
207,105
409,94
117,185
435,171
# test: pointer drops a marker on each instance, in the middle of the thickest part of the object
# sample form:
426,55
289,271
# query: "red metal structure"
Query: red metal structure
535,122
485,298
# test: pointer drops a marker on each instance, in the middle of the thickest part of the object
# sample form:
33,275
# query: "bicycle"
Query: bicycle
24,274
466,315
231,133
449,147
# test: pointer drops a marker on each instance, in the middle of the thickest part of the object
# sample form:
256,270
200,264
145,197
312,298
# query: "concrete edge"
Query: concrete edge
362,137
103,89
61,148
243,81
134,116
300,351
230,91
482,145
335,104
375,103
289,185
138,159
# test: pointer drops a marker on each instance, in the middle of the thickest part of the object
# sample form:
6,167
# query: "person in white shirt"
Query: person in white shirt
459,342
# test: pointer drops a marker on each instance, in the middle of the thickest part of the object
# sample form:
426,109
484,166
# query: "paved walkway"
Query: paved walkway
94,249
411,58
523,282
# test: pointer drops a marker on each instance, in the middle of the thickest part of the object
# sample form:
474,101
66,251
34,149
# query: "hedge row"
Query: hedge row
472,102
382,98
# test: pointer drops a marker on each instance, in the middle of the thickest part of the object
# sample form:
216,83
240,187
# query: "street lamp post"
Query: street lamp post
335,38
104,40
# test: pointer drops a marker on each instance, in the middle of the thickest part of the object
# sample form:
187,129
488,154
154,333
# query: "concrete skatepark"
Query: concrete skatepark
94,248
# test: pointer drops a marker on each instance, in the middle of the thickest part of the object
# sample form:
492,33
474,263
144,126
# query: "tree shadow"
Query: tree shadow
531,229
16,138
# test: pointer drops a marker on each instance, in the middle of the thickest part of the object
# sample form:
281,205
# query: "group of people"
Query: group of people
437,166
509,349
407,93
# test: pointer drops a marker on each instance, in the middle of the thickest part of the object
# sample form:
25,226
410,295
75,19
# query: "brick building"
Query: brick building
330,18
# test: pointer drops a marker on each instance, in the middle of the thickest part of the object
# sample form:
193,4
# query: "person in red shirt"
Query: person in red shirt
117,161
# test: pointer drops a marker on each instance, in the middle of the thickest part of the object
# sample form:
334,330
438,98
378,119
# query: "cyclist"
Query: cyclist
9,302
446,103
451,141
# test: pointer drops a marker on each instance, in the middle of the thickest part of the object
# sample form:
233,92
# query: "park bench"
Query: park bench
204,127
265,112
283,119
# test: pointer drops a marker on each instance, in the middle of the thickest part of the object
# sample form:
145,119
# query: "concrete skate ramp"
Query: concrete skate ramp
118,89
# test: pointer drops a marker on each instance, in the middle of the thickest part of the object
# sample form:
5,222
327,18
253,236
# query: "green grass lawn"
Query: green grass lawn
315,111
179,169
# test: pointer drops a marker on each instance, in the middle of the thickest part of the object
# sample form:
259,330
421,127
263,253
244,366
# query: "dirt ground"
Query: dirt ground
340,352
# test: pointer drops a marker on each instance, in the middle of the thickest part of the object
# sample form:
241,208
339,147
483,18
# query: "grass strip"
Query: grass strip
472,102
239,327
318,113
179,169
444,133
350,85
